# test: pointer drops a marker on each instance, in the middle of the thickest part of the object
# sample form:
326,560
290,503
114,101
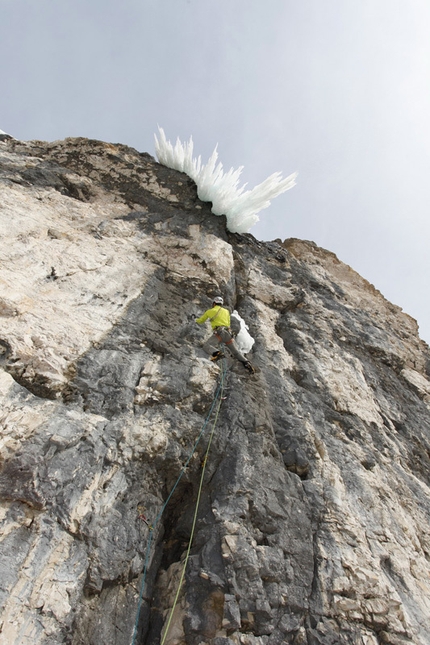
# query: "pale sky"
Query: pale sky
338,90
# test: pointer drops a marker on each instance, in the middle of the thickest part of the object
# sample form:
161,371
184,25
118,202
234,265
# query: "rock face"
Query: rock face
314,518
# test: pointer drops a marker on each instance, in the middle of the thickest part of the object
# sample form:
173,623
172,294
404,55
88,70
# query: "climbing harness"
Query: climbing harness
226,342
218,398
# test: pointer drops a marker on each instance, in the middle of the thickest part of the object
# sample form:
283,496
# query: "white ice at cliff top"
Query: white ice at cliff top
240,206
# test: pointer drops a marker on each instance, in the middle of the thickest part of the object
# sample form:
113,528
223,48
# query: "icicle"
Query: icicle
222,188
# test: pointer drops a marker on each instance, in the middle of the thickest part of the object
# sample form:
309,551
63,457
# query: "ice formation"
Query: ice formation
240,206
244,341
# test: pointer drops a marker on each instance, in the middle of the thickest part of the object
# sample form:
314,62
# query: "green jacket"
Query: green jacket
218,316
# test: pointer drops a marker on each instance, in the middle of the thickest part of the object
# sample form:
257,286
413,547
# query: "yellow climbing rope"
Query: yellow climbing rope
218,398
196,510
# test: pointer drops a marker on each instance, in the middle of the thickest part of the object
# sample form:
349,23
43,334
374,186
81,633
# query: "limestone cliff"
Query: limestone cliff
314,522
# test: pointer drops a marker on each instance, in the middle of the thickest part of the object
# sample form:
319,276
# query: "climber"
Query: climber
219,318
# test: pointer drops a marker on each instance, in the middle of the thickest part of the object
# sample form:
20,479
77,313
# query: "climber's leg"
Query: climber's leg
226,338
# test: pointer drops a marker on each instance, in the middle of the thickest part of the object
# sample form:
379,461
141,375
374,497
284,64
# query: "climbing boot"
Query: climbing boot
249,367
216,356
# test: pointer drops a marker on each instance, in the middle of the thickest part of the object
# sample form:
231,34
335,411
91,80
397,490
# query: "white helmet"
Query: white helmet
218,300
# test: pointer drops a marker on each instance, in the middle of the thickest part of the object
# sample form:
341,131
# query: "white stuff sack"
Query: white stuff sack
244,341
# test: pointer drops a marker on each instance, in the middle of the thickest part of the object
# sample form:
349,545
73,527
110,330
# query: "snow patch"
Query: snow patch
240,206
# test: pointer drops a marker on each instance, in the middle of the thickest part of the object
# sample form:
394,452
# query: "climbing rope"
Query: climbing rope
196,510
217,398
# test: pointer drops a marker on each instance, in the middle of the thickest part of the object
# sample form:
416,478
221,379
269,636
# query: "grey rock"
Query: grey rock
314,518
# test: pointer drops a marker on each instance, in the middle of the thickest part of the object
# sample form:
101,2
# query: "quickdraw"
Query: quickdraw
142,517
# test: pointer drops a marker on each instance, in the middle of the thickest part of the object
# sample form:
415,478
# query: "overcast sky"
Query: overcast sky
338,90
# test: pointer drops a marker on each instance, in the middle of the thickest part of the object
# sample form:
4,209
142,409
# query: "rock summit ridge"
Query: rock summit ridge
314,525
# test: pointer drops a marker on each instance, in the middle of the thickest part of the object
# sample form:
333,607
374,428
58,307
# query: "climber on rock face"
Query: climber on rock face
219,318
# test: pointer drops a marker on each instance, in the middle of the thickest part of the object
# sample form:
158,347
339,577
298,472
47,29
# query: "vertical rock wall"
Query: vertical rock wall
314,520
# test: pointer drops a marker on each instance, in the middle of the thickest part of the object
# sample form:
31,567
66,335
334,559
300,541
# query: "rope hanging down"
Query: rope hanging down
196,510
217,398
